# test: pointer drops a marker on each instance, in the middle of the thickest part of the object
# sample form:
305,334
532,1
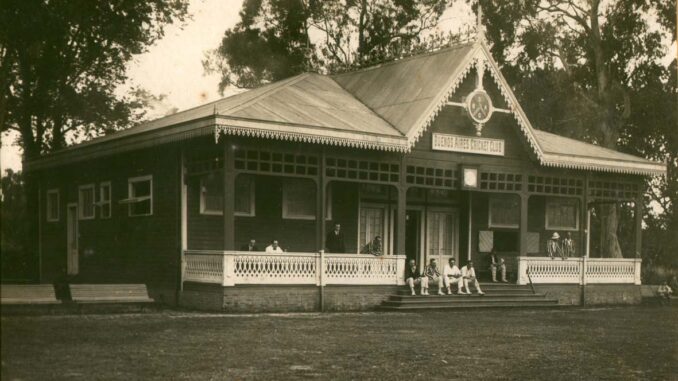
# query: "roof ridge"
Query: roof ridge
281,84
408,58
366,106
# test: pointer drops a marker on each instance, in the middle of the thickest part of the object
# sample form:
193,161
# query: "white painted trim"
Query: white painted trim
133,199
48,205
558,200
81,208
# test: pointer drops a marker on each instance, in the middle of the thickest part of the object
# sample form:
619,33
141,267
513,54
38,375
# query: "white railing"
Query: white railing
578,270
230,268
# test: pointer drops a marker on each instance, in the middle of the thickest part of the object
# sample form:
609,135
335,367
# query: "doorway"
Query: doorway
412,236
72,235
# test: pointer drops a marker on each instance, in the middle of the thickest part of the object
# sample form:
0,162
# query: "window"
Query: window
372,223
140,196
52,205
105,199
212,195
562,214
298,199
86,202
504,211
244,196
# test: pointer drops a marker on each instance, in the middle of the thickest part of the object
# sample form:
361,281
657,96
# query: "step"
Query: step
468,301
492,292
461,299
468,306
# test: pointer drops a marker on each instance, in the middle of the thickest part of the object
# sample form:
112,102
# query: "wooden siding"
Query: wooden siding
120,249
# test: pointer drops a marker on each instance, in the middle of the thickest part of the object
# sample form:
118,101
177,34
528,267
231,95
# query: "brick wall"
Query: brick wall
594,294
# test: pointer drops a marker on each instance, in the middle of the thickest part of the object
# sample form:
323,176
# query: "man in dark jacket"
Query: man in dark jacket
334,243
413,276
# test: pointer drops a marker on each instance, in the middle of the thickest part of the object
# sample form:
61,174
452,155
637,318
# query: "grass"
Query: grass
627,343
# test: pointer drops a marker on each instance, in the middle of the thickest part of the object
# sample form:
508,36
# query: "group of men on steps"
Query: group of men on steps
450,276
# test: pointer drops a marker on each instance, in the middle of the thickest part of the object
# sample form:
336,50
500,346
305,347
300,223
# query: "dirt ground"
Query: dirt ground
627,343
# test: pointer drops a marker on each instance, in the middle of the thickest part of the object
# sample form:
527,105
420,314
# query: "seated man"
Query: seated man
433,275
274,248
373,247
452,275
497,263
468,273
413,276
251,246
664,292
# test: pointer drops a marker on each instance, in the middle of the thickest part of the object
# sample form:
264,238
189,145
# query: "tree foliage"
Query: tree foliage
594,70
276,39
61,61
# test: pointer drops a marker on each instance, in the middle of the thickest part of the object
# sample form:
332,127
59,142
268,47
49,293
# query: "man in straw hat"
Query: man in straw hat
552,247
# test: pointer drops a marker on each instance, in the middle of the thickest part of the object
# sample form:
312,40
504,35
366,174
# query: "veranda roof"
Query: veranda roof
385,107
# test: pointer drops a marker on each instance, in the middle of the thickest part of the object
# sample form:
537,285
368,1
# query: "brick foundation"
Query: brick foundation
282,298
593,294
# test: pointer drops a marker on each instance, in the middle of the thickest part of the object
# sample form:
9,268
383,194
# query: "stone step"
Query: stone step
469,306
487,291
462,297
483,300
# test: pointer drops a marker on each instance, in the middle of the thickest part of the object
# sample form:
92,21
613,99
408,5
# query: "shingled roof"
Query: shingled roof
385,107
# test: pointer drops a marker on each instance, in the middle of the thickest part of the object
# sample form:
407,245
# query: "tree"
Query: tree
592,70
276,39
61,61
14,228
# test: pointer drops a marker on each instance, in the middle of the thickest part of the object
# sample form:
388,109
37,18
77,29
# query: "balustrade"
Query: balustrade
236,267
578,270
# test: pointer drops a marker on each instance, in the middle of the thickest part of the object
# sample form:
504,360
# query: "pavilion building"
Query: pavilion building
433,153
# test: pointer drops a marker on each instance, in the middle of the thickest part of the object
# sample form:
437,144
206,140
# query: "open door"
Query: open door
72,254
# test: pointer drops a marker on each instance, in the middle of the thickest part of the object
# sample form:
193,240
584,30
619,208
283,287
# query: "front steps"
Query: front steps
497,295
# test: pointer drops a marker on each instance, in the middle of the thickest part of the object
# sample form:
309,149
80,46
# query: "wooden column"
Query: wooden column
401,209
524,198
229,195
584,221
639,225
321,196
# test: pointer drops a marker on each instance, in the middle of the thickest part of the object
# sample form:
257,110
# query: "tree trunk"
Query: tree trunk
610,247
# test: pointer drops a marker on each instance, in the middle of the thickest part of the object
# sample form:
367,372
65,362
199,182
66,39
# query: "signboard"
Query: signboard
468,144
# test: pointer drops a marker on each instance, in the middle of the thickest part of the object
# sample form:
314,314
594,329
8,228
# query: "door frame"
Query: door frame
72,264
455,212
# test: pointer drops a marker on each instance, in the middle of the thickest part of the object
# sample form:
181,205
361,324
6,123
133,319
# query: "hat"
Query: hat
555,236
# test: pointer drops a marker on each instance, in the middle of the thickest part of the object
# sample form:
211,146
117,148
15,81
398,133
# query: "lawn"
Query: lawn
627,343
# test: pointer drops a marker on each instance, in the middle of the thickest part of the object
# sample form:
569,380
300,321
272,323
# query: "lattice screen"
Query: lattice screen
201,162
555,185
275,162
501,181
613,190
430,176
362,170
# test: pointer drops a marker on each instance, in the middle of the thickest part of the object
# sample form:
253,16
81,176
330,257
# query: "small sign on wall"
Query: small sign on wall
485,241
468,144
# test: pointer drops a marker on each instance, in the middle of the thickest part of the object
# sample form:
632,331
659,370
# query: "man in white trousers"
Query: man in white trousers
468,274
452,275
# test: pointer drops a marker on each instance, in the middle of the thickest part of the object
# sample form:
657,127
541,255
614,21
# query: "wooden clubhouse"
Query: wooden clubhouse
432,153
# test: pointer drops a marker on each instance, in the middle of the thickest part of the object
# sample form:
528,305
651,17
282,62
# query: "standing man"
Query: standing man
334,243
433,275
413,276
452,275
552,247
568,246
274,248
468,273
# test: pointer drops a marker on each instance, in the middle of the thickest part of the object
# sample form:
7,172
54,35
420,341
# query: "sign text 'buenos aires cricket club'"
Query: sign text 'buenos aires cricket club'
469,144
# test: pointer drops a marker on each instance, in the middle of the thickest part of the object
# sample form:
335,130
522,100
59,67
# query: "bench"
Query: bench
109,293
28,294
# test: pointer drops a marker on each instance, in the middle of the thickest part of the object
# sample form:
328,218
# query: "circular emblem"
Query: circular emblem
479,106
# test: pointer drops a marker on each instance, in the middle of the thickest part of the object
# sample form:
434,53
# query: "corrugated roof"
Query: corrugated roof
404,90
383,107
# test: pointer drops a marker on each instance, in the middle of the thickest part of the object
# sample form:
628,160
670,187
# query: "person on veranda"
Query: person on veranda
452,276
552,246
274,248
468,274
433,274
334,242
497,263
375,247
413,277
